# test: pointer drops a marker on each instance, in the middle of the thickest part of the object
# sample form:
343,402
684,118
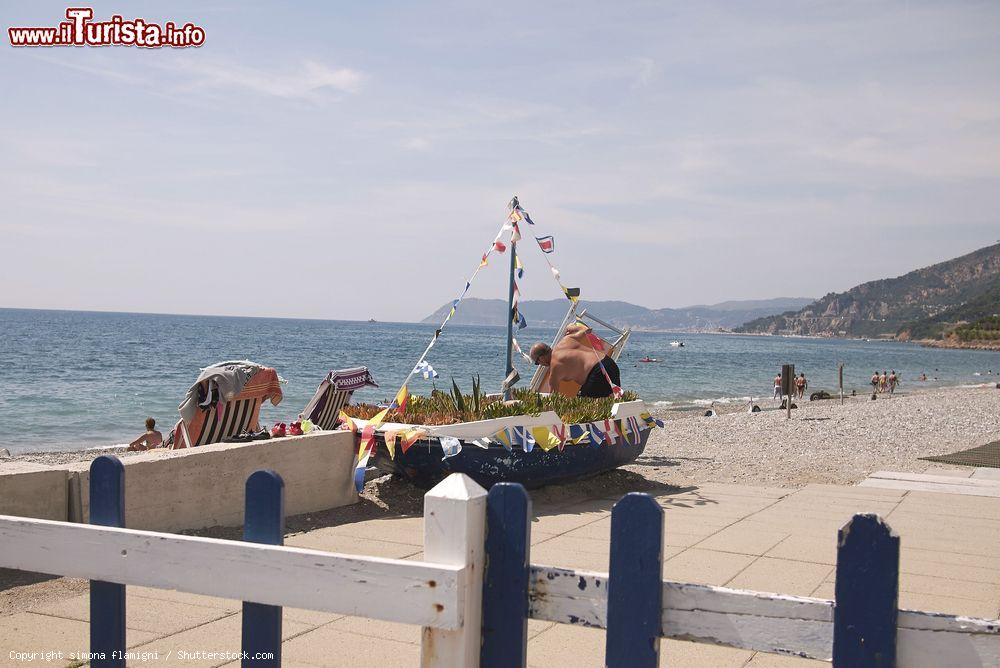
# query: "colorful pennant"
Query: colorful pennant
409,437
546,243
450,446
390,441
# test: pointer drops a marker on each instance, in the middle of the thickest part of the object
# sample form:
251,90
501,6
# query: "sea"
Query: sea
71,380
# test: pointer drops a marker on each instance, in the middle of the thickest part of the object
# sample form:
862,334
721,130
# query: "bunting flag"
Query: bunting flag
376,421
515,216
528,440
409,437
609,434
619,430
450,446
517,348
483,443
425,370
578,434
633,423
346,420
544,437
515,234
365,449
596,435
546,243
402,398
560,433
555,272
483,262
499,246
503,436
521,322
519,266
650,420
390,442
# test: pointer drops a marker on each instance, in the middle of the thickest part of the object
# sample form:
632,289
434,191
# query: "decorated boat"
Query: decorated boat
529,435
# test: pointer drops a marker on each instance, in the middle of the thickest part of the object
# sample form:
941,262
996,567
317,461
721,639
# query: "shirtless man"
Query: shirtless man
573,366
800,385
151,439
777,387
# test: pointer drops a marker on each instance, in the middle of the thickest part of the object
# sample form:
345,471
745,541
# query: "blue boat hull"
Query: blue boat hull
425,466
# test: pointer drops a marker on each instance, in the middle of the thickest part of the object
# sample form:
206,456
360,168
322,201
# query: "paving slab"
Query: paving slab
327,646
743,540
781,576
329,540
158,616
705,566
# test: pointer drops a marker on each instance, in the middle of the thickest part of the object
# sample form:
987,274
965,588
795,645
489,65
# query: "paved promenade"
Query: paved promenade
768,539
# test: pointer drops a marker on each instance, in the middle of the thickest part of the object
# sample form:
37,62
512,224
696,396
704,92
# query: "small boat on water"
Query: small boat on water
676,344
648,359
535,447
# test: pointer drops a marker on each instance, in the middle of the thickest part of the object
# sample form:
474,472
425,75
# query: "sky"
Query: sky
354,160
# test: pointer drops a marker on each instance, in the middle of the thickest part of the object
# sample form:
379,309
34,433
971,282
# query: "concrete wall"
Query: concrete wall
33,490
173,490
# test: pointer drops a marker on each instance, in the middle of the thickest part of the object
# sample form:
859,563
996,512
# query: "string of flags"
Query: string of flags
547,244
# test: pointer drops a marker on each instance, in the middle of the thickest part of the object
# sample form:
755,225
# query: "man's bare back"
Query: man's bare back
570,362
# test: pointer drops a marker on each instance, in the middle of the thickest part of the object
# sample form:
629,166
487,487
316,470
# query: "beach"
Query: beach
823,442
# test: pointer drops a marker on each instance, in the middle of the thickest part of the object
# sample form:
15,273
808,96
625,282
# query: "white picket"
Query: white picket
455,533
764,622
410,592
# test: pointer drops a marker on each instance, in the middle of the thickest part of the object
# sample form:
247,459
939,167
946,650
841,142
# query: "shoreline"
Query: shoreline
671,413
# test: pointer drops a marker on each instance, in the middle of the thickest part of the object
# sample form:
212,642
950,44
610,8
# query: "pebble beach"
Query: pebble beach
824,441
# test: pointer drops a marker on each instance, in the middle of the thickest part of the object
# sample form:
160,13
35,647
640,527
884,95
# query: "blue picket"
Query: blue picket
107,599
867,592
635,586
263,522
505,580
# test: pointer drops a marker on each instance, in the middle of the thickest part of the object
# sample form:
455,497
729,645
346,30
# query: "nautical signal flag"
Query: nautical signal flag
499,246
402,397
521,322
450,446
544,437
519,266
547,243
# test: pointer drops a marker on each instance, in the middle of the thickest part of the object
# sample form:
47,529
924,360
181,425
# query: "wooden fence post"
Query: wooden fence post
867,592
107,600
635,583
454,528
263,522
505,580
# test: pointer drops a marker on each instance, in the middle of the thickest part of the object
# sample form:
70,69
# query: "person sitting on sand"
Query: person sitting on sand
800,384
151,439
777,387
575,366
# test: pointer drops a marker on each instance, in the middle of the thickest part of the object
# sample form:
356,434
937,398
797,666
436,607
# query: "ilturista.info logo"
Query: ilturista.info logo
81,30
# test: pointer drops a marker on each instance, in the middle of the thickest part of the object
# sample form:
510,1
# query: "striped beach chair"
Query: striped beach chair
334,393
215,418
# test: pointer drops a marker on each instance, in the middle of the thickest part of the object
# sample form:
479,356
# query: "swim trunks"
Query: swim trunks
596,385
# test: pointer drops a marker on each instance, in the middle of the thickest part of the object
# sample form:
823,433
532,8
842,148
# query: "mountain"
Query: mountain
919,304
551,313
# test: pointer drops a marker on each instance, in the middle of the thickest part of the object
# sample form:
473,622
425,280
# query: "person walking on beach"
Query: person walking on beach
874,383
777,388
800,384
882,382
893,380
151,439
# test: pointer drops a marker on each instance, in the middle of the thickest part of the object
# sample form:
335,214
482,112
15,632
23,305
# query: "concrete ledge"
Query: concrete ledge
33,490
194,488
175,490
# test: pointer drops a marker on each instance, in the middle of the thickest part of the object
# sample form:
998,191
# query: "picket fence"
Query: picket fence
476,589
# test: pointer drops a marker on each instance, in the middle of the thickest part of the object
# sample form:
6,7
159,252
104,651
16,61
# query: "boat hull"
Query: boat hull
424,463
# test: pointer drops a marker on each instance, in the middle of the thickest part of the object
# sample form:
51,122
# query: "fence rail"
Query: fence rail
477,589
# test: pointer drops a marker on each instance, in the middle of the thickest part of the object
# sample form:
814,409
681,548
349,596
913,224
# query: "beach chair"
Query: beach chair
225,401
334,393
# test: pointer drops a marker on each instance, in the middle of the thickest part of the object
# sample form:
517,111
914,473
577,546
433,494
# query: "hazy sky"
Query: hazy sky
353,159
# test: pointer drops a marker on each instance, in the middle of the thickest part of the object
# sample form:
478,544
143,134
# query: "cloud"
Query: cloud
305,81
417,144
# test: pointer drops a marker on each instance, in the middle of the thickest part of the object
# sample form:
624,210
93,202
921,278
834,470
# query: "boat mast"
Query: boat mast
510,316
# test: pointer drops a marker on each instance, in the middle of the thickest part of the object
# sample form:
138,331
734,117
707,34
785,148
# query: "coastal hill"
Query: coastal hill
926,303
550,313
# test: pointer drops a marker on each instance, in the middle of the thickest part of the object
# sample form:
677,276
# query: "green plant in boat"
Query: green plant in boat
453,406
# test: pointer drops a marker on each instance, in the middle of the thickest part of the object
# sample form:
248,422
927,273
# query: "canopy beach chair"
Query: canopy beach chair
334,393
225,401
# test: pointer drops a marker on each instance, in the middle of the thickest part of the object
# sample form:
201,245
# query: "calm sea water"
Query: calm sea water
77,379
